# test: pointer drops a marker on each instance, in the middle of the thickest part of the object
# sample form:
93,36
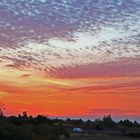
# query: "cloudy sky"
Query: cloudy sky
70,57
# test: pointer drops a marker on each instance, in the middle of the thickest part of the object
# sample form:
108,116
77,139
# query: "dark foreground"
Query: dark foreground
102,138
26,127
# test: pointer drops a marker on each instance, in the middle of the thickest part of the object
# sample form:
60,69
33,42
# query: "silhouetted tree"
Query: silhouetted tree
105,123
88,122
136,124
24,114
2,108
98,124
126,123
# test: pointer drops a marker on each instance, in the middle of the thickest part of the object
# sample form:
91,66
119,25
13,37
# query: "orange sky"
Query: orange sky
92,96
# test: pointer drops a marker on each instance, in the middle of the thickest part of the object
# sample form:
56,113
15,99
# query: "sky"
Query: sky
70,57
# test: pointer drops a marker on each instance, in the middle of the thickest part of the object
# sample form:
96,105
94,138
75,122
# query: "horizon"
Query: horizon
70,58
83,118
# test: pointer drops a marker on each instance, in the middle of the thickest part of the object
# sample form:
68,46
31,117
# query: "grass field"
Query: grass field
102,138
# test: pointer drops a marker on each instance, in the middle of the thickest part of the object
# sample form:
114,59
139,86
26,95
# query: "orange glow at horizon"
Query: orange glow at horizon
95,96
